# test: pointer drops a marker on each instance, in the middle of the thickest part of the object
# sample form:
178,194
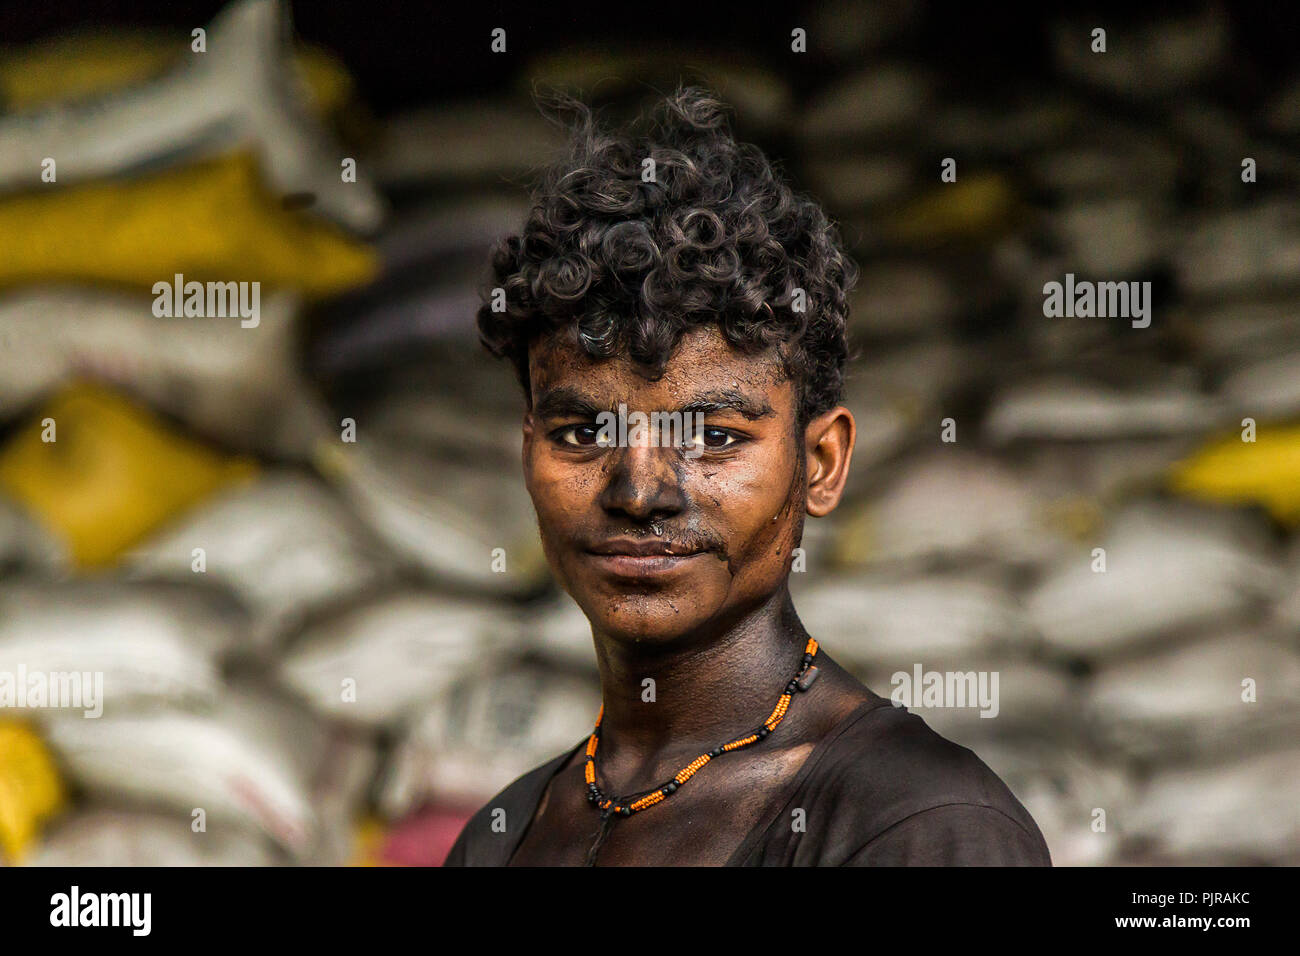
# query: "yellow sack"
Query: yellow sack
210,221
979,206
368,838
114,472
73,67
30,789
1265,471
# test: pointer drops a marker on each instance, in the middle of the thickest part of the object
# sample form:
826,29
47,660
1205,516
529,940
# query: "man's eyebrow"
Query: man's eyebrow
729,400
565,402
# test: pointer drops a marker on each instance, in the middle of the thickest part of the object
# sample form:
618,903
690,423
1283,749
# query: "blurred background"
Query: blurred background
301,553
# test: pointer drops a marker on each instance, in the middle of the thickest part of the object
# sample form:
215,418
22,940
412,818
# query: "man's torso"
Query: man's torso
859,780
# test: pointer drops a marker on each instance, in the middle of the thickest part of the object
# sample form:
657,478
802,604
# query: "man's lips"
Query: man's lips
642,548
629,558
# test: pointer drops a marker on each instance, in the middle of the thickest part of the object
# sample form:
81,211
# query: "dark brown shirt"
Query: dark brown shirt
882,789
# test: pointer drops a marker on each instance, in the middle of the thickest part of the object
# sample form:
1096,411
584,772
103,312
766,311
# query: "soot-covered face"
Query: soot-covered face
657,540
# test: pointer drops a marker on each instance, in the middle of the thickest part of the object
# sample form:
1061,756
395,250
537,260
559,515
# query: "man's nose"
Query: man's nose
643,484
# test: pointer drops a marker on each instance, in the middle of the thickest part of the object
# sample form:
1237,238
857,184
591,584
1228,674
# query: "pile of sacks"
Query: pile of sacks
300,553
297,647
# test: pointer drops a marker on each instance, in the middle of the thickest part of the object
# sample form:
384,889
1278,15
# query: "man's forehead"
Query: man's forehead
703,369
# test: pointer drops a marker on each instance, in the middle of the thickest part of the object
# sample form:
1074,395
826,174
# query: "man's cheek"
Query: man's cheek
545,479
775,516
564,505
761,491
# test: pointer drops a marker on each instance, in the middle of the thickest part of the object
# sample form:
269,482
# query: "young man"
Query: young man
674,272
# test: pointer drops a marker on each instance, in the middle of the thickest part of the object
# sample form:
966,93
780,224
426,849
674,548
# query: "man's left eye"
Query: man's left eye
713,438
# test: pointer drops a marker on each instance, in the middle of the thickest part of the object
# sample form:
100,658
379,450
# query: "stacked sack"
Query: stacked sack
162,531
1101,510
304,614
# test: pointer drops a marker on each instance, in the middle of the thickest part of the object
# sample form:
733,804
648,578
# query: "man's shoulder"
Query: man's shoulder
896,756
894,786
491,834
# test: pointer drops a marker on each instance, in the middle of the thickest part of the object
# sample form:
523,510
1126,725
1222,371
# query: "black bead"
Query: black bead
763,732
625,811
671,788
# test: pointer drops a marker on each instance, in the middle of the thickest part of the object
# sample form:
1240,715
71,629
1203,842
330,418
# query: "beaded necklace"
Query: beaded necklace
609,806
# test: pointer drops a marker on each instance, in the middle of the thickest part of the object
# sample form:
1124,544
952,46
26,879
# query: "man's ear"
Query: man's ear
828,441
528,433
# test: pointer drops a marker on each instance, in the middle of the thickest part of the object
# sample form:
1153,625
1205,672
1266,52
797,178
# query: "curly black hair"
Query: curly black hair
716,238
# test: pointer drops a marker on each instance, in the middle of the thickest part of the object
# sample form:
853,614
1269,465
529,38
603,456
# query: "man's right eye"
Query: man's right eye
584,435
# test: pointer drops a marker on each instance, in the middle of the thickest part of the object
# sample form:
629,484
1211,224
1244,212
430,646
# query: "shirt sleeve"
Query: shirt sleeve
958,834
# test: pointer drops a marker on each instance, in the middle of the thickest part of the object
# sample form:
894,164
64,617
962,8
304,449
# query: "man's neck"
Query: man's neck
704,691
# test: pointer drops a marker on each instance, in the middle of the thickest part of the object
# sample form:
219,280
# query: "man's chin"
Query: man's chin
654,619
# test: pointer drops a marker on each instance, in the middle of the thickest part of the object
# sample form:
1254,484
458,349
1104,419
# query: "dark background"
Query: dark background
404,53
